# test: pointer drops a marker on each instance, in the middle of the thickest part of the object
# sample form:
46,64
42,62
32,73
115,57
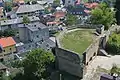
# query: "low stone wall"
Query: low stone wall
87,26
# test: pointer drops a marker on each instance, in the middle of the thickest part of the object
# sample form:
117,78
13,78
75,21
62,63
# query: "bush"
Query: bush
113,44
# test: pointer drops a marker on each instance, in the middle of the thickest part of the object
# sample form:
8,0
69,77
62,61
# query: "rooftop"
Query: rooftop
17,21
7,41
33,26
29,8
77,41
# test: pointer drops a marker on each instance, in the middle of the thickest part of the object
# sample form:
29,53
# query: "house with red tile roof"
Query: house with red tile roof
59,15
7,45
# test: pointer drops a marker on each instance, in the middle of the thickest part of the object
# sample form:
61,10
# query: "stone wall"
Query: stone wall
69,62
73,63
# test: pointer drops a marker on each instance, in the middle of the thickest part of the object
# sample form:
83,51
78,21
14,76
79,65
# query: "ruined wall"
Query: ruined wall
91,51
69,62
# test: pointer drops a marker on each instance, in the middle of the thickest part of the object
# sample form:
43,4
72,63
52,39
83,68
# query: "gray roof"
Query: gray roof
33,26
29,8
18,21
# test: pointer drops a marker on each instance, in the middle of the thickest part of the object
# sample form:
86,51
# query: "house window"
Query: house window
10,49
37,36
29,45
68,1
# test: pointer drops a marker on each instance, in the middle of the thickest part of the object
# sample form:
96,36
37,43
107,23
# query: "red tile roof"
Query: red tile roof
7,41
59,14
91,5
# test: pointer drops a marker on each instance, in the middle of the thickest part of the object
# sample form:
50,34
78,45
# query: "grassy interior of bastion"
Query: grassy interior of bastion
77,41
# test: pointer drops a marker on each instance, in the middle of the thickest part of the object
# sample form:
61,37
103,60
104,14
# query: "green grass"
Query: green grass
77,41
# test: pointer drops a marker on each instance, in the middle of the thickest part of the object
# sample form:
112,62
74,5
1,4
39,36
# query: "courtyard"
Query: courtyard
77,41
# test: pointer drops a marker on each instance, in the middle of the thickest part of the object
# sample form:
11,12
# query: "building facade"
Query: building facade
8,47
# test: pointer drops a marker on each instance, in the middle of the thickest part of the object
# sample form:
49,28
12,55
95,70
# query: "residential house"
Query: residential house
33,35
33,32
8,47
81,11
29,10
59,15
13,23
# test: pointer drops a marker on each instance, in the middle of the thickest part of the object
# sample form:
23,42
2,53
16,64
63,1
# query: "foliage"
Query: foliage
34,2
115,70
73,40
9,32
26,19
8,6
46,11
71,19
36,65
113,44
103,15
56,2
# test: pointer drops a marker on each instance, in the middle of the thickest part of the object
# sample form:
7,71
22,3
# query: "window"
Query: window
29,45
37,36
68,1
10,49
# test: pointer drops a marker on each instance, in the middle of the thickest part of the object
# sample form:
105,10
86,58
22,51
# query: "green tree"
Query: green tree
9,32
71,19
113,44
26,19
8,6
36,64
103,15
56,2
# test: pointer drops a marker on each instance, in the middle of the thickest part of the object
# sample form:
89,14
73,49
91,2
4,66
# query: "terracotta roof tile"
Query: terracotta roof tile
7,41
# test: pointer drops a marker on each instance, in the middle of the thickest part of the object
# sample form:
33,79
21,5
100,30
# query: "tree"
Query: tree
113,44
9,32
56,2
36,64
103,15
26,19
8,6
71,19
34,2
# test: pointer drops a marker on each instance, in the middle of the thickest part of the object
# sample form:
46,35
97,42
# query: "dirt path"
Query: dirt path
103,62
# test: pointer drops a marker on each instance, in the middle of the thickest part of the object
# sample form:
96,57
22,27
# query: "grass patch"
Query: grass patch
77,41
